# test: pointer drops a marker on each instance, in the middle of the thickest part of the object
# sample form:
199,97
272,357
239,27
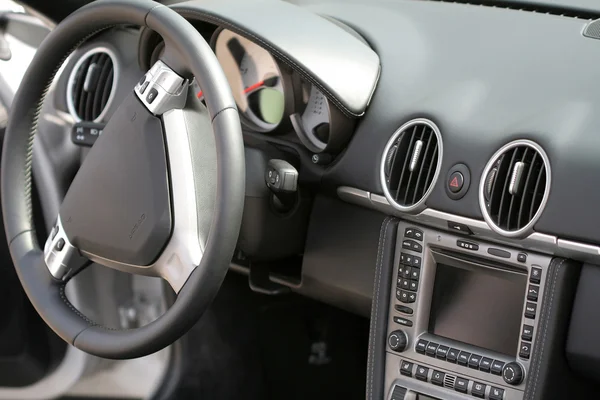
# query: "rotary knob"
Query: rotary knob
398,341
512,373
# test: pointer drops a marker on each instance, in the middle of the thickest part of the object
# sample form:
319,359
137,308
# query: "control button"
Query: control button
456,182
399,393
421,346
486,364
536,275
533,292
527,333
416,261
437,378
144,87
408,259
406,368
498,253
152,94
413,233
421,373
403,321
414,274
461,385
397,341
478,390
474,361
467,245
403,258
463,358
496,393
412,297
411,245
431,349
442,352
525,350
497,367
60,244
522,257
405,271
461,228
142,80
452,355
401,296
414,285
86,133
403,309
512,373
404,283
530,309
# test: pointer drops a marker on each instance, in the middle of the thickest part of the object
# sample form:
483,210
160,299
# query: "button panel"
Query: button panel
408,274
467,245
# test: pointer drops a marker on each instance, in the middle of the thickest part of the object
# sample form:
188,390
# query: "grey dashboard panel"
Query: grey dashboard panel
343,67
485,76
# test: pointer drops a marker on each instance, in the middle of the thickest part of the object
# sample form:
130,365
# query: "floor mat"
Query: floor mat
253,346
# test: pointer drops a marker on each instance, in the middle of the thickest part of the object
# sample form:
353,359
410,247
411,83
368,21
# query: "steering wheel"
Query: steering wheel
161,192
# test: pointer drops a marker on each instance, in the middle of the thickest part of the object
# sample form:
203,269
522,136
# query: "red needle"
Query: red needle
247,90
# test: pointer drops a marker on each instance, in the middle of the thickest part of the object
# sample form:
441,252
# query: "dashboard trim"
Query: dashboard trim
541,242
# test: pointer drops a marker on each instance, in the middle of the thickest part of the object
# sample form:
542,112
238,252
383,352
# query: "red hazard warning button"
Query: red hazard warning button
455,182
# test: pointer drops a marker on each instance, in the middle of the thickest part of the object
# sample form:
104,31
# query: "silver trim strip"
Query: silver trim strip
541,242
527,229
71,82
420,205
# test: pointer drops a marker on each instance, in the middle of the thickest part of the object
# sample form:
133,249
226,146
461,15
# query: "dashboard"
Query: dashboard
475,125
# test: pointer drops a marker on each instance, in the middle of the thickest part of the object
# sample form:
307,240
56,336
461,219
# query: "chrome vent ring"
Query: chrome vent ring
411,164
514,188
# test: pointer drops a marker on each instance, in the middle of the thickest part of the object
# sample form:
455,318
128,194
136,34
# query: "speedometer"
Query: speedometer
255,79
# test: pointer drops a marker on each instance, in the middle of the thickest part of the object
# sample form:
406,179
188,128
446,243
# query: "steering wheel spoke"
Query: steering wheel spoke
162,89
62,258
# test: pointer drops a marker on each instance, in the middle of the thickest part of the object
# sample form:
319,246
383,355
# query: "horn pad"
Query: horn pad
118,206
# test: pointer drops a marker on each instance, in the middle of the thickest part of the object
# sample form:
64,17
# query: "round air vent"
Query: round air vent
514,188
411,164
91,85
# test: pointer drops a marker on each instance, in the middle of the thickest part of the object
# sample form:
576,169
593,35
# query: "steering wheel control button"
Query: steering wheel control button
536,275
421,346
422,373
86,133
459,228
522,257
525,350
478,390
496,393
144,87
497,367
527,333
512,373
530,310
397,341
458,181
406,368
461,385
152,94
437,378
533,292
463,244
59,245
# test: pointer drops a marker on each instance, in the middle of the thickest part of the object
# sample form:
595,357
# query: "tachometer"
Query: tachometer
255,79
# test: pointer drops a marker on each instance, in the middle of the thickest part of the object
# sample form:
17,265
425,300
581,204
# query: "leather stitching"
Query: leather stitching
76,311
214,19
375,306
547,322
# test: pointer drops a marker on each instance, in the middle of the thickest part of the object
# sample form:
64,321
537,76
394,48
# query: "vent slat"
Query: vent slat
513,212
89,104
410,188
406,188
406,161
505,190
421,168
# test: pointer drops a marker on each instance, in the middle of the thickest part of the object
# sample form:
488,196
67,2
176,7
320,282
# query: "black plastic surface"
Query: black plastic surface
118,205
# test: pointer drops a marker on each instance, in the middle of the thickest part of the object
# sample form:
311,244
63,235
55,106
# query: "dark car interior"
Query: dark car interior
304,199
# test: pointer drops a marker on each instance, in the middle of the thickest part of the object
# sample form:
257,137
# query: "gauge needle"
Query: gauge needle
269,82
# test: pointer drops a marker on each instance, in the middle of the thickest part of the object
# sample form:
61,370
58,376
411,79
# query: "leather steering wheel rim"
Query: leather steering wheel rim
189,55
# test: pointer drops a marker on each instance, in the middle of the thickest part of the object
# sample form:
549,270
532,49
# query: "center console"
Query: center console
463,316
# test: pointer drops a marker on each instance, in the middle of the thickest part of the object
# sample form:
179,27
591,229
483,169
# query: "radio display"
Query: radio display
477,307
